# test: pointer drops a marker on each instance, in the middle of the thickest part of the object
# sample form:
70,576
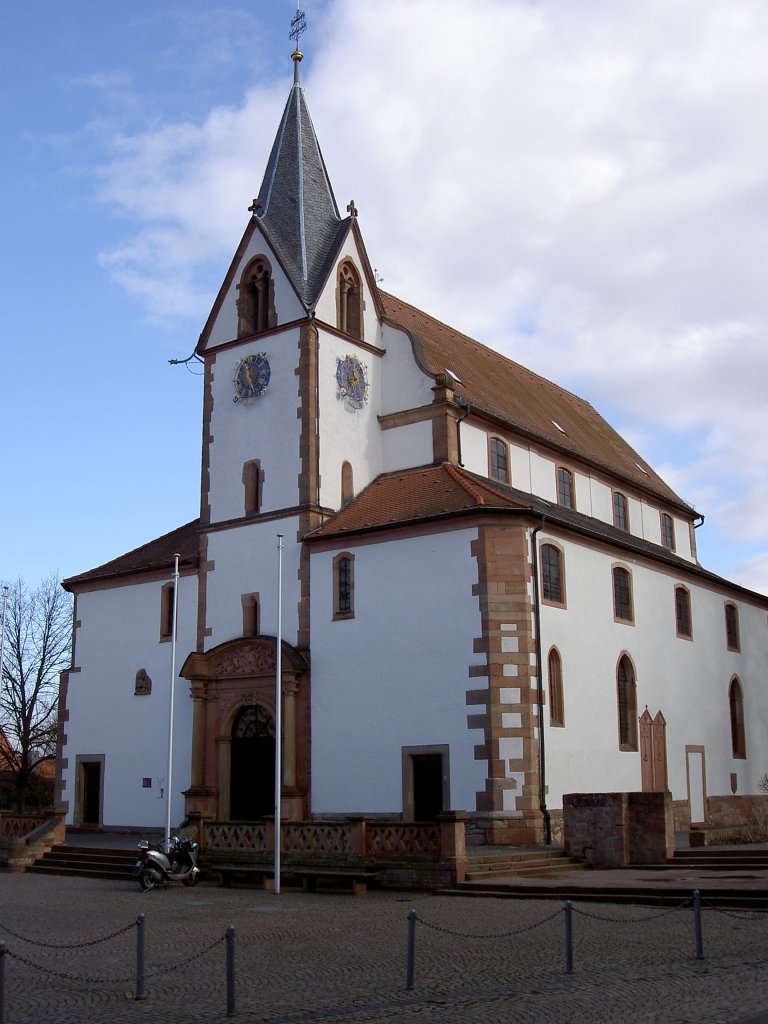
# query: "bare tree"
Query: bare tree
37,646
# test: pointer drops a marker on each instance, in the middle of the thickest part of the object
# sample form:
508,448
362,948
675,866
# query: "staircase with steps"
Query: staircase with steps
87,862
736,878
539,863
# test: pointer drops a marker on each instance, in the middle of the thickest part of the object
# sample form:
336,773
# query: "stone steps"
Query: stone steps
722,897
86,862
530,864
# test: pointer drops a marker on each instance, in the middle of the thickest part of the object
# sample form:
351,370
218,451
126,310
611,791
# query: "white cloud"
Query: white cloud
581,185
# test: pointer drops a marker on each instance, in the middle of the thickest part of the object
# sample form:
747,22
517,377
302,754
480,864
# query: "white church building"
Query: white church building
489,600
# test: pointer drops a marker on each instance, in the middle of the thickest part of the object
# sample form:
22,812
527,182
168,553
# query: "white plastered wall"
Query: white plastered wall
395,675
268,429
687,680
107,718
245,561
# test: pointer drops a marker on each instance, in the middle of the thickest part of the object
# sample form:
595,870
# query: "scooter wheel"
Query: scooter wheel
149,878
191,881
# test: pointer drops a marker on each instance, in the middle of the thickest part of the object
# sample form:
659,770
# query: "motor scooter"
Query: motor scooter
175,861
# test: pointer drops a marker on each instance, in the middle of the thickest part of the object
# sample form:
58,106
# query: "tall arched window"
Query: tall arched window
736,703
344,586
667,531
565,495
622,595
552,576
499,459
626,696
620,511
683,613
254,300
555,673
350,301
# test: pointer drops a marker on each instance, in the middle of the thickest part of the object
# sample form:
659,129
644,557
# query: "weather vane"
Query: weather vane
298,26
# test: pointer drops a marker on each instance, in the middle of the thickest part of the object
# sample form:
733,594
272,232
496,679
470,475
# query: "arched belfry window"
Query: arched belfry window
255,300
350,299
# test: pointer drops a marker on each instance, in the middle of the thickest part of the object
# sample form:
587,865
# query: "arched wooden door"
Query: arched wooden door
252,768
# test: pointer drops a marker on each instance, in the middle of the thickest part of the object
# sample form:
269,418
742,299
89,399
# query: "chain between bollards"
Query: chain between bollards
411,959
697,924
140,968
230,970
568,907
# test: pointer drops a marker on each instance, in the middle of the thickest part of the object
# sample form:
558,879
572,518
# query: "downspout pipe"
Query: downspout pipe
463,404
540,698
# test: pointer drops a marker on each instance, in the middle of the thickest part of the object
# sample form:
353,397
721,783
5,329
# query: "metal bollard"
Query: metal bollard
2,983
140,993
411,959
697,924
568,907
230,970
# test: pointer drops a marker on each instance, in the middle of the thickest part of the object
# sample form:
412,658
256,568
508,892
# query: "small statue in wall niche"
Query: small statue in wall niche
143,683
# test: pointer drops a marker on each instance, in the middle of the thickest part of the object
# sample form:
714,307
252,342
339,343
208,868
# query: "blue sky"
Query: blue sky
582,186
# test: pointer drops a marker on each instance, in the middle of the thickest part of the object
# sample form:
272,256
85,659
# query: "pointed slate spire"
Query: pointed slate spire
297,210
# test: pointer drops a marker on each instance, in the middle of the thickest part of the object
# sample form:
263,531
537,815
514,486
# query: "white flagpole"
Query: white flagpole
278,710
169,775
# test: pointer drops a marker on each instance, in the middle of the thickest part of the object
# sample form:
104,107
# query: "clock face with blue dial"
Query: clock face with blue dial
351,382
252,375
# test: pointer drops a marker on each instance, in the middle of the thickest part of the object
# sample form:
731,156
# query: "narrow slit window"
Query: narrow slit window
565,495
626,695
683,613
499,460
622,595
343,586
555,672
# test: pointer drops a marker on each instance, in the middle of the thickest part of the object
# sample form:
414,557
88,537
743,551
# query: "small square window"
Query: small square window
146,783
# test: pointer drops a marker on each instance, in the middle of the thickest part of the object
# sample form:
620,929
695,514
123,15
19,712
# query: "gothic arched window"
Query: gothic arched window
255,300
350,301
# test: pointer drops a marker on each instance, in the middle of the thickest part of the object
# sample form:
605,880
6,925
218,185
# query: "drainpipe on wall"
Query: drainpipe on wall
540,700
463,404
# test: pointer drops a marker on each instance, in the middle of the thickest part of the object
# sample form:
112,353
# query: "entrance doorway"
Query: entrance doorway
252,767
653,752
89,790
426,790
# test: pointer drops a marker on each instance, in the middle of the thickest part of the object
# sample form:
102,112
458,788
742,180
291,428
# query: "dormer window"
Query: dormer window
255,306
350,299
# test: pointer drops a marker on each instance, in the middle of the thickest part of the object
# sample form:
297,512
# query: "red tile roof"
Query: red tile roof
526,401
155,555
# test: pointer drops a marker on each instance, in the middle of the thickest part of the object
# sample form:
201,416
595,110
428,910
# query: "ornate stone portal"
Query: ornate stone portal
235,675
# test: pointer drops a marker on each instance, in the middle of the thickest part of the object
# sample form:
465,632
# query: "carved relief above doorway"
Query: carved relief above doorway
231,685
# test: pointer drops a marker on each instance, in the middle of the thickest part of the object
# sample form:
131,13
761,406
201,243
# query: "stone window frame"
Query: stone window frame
732,630
555,679
347,483
553,602
626,703
407,755
498,453
619,571
736,716
343,604
566,495
683,613
621,511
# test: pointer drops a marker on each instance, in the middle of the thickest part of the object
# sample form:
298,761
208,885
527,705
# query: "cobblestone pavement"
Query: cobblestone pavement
341,959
